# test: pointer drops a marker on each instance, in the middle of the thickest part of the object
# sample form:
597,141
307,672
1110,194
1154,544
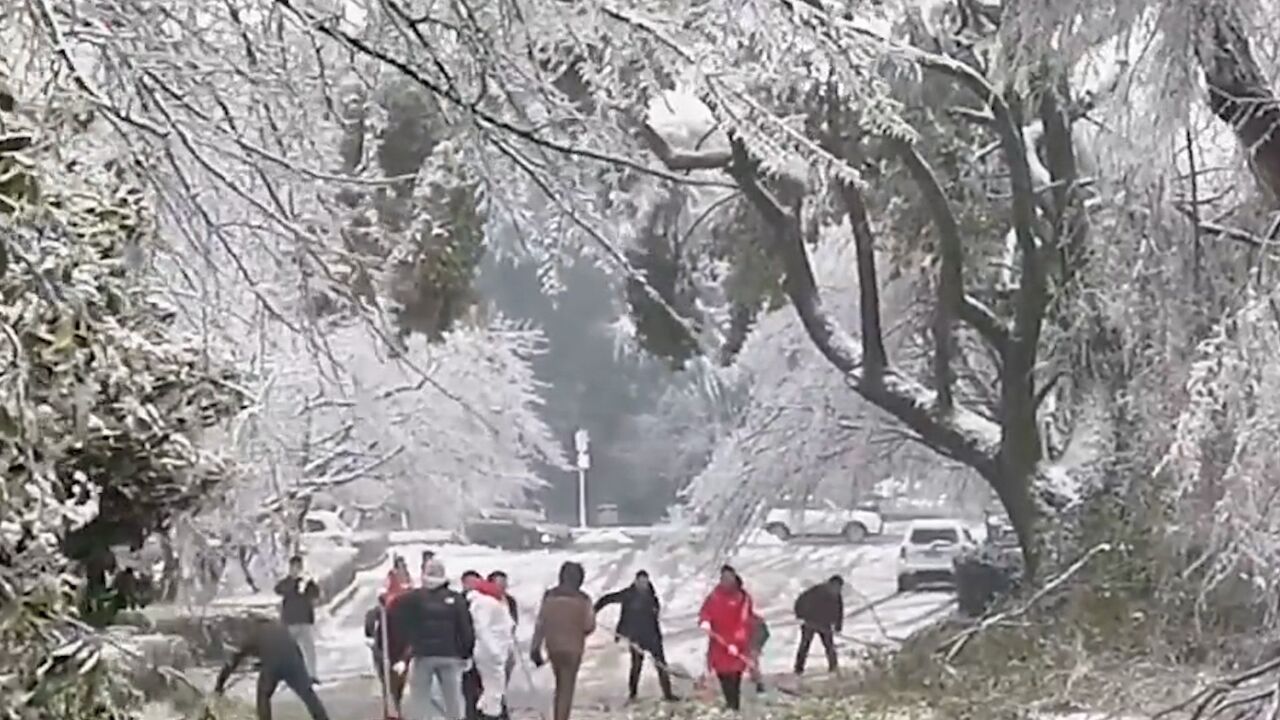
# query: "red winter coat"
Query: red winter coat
396,586
729,612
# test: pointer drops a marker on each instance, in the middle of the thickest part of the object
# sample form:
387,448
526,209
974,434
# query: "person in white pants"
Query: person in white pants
495,640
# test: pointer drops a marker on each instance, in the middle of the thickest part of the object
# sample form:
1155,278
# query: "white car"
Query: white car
823,518
929,550
326,525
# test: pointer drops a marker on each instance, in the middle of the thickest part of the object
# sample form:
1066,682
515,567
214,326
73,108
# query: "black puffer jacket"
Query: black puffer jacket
434,623
638,621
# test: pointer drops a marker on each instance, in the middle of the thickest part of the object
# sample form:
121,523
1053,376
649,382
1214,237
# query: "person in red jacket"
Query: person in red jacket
399,581
726,617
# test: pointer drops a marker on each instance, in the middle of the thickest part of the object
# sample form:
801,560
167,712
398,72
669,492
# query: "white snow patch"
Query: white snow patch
681,118
761,538
433,536
603,537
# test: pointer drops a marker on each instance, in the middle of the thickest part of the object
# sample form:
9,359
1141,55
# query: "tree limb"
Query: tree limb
875,358
352,475
1238,92
951,293
961,433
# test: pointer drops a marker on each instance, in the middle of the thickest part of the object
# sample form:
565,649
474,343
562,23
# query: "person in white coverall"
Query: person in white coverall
495,642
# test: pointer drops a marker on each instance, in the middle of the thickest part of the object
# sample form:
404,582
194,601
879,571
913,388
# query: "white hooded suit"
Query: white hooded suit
495,642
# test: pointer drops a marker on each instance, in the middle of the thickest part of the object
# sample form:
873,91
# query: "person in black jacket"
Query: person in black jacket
271,642
298,598
820,610
638,624
435,623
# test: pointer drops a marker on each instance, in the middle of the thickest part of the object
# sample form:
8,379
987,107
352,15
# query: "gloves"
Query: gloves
400,667
536,657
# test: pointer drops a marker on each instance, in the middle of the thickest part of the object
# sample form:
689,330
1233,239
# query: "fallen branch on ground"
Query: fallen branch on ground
957,643
1221,695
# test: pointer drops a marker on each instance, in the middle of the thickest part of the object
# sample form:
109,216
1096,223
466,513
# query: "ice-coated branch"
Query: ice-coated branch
961,433
1238,91
874,356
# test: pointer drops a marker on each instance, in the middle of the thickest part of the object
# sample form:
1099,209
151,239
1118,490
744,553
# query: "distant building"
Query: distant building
607,514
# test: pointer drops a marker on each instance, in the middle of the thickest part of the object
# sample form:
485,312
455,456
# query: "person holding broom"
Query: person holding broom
384,647
638,624
726,619
820,610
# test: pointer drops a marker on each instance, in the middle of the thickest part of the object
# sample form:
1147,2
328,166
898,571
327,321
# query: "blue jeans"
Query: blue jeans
423,676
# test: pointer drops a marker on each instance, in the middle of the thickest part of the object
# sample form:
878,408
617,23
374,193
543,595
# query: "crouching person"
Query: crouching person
281,661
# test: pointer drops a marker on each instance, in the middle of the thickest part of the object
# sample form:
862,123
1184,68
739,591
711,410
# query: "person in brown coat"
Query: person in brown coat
565,620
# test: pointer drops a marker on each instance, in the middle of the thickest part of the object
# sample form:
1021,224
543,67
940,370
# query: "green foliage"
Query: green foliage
98,401
665,271
418,241
433,279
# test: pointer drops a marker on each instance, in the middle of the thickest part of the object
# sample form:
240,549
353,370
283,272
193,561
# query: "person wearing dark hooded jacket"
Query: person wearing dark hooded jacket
281,661
565,619
638,624
820,610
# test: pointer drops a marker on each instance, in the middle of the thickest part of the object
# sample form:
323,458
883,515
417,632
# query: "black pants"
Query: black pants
395,684
637,664
296,677
731,685
471,689
806,640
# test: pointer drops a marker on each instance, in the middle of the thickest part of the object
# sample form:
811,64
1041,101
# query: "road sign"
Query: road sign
581,441
584,461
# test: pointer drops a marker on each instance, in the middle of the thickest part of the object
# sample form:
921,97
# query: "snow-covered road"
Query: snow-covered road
774,574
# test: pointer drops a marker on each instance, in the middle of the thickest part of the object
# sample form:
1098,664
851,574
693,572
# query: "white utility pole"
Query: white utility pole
582,443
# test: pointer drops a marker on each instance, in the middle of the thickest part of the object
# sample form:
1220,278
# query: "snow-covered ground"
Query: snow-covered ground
775,574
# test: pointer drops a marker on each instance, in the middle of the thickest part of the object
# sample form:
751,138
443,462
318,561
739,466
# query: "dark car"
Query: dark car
512,529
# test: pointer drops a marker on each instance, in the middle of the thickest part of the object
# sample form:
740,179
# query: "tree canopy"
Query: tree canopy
703,150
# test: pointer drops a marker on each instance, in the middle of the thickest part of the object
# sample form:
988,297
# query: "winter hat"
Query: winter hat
433,574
